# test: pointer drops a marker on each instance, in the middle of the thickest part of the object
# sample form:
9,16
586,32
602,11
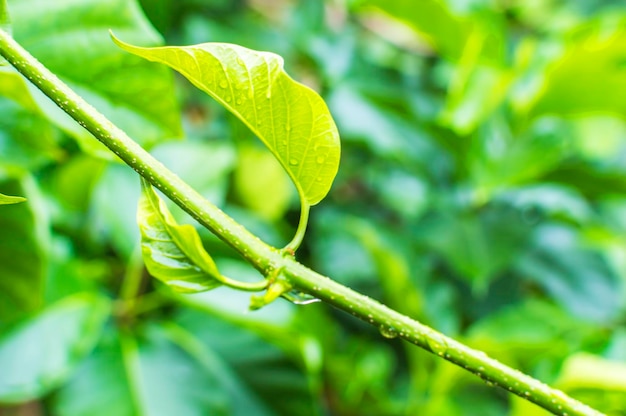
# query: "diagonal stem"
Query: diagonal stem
267,259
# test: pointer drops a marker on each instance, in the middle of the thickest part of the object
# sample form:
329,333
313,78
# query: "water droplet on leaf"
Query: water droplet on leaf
293,162
223,83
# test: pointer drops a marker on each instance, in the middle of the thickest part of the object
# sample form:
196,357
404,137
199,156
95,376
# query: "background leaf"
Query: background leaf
173,253
24,241
290,118
43,352
70,38
5,22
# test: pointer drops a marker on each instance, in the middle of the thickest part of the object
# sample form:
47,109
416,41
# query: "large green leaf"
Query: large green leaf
27,139
23,246
447,30
257,171
266,363
576,276
290,118
39,355
160,369
173,253
100,385
70,38
589,75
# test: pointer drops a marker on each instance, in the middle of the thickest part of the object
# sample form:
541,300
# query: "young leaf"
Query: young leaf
6,199
290,118
173,253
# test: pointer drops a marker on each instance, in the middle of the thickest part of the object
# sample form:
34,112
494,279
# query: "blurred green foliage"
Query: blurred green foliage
481,191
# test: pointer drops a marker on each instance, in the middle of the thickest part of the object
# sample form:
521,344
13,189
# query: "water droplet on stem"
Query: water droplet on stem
388,332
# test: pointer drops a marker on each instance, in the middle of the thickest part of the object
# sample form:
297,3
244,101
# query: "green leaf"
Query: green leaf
27,140
13,86
584,370
447,30
24,238
100,385
173,253
6,199
264,363
70,38
163,371
257,171
289,118
590,75
5,21
576,276
39,355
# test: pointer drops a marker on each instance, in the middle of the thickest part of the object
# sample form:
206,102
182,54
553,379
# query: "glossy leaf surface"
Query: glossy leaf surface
290,118
173,253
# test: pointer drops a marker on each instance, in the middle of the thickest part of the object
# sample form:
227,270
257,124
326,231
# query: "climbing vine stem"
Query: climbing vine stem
267,259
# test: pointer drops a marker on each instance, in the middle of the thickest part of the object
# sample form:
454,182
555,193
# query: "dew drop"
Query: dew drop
437,344
320,159
293,162
228,99
238,101
250,94
268,94
388,331
287,127
223,83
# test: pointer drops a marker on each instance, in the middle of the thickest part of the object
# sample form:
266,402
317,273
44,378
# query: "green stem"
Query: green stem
302,224
266,258
245,286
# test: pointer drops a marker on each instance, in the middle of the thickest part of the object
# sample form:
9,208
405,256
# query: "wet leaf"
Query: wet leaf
289,118
173,253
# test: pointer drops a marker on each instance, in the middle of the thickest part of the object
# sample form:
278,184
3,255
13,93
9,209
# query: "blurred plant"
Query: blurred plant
480,192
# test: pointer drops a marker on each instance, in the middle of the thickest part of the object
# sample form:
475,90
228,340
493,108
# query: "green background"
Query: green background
481,191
